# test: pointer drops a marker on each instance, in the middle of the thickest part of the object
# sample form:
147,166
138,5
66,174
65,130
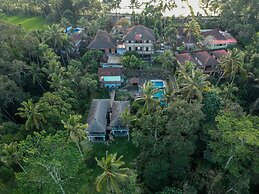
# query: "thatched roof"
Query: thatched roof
118,108
102,40
97,115
139,32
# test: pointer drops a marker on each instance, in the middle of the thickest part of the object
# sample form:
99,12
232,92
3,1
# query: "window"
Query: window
129,48
147,48
136,48
139,41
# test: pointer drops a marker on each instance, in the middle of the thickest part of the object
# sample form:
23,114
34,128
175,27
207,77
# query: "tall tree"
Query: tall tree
76,129
114,176
148,97
192,29
51,164
36,74
10,155
55,37
233,146
167,60
32,113
191,82
233,63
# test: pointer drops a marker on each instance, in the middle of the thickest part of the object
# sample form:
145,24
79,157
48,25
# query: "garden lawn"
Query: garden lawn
27,22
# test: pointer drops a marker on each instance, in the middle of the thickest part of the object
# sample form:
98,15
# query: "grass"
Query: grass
121,146
27,22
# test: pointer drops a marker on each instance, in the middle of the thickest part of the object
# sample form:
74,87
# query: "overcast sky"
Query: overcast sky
182,8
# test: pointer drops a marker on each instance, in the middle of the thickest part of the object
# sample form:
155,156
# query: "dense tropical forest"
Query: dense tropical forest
203,138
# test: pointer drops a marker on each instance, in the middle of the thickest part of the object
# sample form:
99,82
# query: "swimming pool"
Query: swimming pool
159,95
158,83
112,78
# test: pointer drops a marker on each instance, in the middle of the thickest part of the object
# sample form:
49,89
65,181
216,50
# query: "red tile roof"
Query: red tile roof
184,57
219,53
205,59
109,71
220,37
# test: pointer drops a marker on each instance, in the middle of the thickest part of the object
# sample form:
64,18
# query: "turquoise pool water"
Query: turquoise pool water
159,94
111,78
158,84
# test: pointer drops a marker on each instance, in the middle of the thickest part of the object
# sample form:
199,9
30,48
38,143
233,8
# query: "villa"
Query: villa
206,62
217,39
117,127
97,120
104,119
140,39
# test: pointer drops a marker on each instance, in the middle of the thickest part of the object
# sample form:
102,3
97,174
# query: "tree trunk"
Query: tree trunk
230,158
78,146
21,166
53,176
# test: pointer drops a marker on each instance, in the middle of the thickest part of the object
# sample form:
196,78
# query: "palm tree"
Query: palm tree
127,117
76,129
191,82
227,91
73,73
55,37
192,28
10,155
231,64
168,60
134,4
37,74
148,92
56,6
64,23
33,114
57,82
166,5
170,34
113,176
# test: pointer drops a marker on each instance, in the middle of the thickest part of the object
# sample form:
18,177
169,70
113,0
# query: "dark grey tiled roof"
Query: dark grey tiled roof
97,115
117,109
102,40
144,32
